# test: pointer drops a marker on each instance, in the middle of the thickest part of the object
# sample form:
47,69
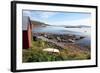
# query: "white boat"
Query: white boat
51,50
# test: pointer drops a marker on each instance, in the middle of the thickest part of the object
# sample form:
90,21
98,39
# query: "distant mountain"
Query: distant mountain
71,26
38,23
78,26
42,24
84,26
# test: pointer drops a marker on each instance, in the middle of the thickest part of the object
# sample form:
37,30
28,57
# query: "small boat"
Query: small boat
51,50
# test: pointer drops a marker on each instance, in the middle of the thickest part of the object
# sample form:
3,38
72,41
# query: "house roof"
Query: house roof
25,22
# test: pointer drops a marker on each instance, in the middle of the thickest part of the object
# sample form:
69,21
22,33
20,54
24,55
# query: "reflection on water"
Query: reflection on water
86,32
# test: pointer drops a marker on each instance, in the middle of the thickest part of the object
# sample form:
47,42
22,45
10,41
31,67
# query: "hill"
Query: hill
38,23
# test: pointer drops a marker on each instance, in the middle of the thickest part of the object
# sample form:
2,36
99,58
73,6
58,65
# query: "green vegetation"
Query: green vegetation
36,53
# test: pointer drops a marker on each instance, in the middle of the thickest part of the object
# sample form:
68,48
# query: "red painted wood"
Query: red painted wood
25,40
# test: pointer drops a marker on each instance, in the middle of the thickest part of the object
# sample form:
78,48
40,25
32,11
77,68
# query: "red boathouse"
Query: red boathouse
27,32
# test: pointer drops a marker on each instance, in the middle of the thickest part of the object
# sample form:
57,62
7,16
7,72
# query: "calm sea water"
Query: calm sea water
86,32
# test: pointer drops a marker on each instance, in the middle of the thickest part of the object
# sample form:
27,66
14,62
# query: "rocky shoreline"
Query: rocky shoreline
68,40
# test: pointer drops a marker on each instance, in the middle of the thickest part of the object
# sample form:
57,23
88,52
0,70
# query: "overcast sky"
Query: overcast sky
59,18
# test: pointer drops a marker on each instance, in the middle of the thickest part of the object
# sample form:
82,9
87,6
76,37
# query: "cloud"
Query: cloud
31,14
41,14
27,13
46,15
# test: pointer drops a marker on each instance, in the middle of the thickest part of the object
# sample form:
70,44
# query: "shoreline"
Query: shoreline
66,39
